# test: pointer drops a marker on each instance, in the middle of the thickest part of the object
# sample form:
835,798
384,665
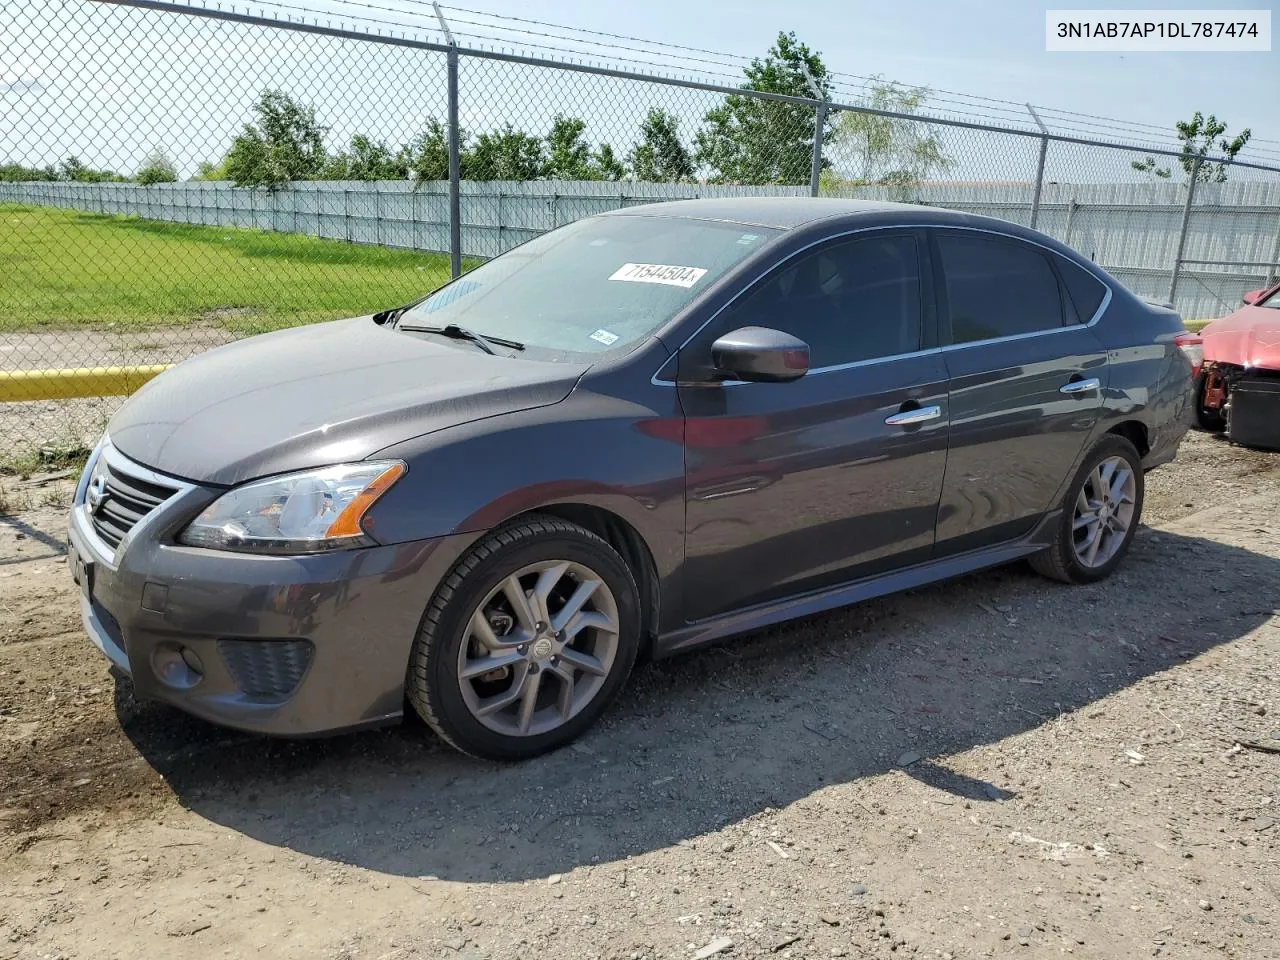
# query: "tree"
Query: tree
284,144
505,154
660,156
367,159
209,171
890,151
1199,136
426,156
157,168
16,172
606,165
568,153
749,140
74,170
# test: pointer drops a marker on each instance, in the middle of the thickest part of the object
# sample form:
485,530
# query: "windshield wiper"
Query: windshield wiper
465,333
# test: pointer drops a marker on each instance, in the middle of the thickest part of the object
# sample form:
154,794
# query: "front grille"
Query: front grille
128,499
266,669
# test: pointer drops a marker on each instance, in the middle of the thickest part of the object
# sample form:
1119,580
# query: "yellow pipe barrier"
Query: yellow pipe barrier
18,385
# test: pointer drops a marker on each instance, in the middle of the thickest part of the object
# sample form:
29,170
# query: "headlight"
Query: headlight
304,512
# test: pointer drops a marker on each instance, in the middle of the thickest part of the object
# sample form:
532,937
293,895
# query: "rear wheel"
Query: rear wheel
1100,515
527,641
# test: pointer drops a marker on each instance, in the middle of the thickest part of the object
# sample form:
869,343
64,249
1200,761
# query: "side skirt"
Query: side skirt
845,594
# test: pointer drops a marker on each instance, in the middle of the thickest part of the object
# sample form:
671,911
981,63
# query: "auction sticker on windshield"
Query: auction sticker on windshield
672,276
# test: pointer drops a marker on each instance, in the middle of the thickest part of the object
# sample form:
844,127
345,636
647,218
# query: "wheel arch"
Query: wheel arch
623,537
1136,432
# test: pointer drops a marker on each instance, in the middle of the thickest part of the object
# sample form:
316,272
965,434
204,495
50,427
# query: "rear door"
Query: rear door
796,486
1027,377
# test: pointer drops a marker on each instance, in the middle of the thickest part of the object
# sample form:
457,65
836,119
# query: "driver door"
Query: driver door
832,477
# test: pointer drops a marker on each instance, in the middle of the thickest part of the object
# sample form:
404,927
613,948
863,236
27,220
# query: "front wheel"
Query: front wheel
526,642
1100,514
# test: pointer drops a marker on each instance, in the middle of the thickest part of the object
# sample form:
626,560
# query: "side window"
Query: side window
996,287
851,300
1084,290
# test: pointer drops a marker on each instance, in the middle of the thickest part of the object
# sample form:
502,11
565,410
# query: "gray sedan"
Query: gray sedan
636,434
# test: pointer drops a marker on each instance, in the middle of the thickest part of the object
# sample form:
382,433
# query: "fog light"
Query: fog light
176,666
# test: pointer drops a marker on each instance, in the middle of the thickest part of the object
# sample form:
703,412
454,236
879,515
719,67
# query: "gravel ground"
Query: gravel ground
998,766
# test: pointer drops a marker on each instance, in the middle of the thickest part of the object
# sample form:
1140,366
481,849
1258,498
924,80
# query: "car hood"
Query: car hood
318,395
1250,337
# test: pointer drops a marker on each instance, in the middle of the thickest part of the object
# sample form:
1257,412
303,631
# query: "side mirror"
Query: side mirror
761,355
1252,297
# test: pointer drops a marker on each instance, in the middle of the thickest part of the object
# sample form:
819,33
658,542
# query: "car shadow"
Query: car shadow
713,737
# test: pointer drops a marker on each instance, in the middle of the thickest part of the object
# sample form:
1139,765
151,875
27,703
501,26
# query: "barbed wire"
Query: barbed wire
692,63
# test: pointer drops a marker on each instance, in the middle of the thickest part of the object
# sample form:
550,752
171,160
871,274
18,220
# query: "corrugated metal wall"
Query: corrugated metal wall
1131,229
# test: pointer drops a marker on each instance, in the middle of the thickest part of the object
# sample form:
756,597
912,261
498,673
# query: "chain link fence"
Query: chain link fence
385,163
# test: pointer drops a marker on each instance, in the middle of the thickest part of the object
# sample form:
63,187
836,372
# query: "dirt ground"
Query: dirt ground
998,766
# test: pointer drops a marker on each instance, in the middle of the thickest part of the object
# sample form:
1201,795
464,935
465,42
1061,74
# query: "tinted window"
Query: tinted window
598,284
851,300
1084,290
997,288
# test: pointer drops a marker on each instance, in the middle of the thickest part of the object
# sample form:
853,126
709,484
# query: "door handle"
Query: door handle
919,415
1081,386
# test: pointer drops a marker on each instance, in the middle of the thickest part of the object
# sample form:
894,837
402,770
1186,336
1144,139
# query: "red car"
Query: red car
1238,371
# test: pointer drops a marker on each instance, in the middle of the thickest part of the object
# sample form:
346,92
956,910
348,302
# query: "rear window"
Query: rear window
1083,288
997,287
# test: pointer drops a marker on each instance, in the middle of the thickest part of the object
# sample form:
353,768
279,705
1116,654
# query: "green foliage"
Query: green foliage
660,156
17,173
890,151
157,168
286,143
568,153
748,140
505,154
69,170
1148,165
209,171
606,164
74,170
1199,137
426,156
367,159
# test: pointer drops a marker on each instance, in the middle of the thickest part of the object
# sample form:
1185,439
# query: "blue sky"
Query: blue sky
109,82
992,49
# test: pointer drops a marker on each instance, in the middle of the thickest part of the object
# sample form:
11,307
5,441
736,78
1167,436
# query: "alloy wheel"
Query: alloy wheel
1104,511
538,648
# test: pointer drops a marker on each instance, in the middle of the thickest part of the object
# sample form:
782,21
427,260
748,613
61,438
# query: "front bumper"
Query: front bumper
279,645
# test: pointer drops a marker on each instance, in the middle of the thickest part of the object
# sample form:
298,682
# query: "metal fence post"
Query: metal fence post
455,175
819,127
1273,271
819,124
1044,152
1182,233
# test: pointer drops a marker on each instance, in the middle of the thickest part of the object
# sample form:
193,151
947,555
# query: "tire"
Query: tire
1064,561
471,621
1210,421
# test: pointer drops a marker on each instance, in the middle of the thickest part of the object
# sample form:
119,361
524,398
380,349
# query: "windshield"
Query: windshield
595,285
1272,301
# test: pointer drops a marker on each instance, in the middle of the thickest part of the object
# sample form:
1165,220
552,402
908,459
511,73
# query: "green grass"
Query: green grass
63,269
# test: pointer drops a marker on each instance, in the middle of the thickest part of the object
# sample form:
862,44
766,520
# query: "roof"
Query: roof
780,212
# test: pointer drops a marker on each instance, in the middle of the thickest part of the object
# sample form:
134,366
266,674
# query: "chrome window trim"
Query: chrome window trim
1097,314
